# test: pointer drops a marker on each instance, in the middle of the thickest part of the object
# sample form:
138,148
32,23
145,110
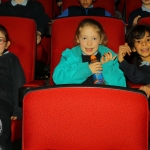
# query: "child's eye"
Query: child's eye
1,41
148,40
94,38
84,38
138,41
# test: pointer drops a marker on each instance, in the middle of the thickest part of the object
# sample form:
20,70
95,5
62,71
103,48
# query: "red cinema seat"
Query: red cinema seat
22,34
85,118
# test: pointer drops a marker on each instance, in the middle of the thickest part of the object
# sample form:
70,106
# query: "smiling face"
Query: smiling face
86,3
142,47
89,39
146,3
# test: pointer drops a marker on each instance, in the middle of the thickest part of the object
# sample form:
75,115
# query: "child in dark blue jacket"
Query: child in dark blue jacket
86,8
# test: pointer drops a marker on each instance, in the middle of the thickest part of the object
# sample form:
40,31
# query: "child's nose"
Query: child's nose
89,42
144,42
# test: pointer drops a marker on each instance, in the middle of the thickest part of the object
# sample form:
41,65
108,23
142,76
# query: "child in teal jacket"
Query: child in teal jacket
75,66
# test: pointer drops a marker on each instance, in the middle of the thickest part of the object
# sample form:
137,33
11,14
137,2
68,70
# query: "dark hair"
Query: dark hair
136,32
96,25
4,31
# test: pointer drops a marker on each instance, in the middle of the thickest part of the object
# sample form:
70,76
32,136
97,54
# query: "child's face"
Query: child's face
142,47
146,2
89,40
86,3
3,44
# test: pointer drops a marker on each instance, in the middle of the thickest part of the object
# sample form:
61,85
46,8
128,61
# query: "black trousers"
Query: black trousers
5,125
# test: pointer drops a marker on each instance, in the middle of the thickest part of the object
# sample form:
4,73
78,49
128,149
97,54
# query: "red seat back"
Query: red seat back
2,1
144,20
63,35
85,118
109,5
121,6
130,6
22,33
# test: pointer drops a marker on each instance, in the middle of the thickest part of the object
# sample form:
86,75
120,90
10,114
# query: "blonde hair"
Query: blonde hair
96,25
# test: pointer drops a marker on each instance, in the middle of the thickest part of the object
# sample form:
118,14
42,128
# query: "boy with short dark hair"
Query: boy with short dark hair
138,40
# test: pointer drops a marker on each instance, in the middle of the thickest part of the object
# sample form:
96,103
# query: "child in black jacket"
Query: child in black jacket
138,41
11,79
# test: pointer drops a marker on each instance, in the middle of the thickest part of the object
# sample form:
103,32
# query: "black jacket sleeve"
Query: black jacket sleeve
41,18
134,73
18,79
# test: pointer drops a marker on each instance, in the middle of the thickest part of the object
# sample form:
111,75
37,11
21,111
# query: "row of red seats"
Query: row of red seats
60,40
26,50
43,49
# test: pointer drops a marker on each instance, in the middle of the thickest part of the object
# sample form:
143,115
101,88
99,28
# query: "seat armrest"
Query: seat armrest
133,85
33,84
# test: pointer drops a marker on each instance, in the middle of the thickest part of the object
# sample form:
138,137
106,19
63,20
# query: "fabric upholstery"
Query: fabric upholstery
144,20
87,118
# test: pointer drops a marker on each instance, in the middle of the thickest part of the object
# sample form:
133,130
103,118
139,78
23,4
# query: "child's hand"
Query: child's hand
13,118
136,20
59,4
123,50
95,67
38,37
107,57
146,89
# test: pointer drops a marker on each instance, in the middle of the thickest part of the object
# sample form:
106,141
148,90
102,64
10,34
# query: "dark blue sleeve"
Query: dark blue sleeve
134,73
64,14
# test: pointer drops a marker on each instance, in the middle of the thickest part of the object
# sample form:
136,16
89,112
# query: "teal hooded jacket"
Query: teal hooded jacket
71,69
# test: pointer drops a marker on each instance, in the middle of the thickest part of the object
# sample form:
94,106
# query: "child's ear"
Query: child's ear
7,44
77,39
